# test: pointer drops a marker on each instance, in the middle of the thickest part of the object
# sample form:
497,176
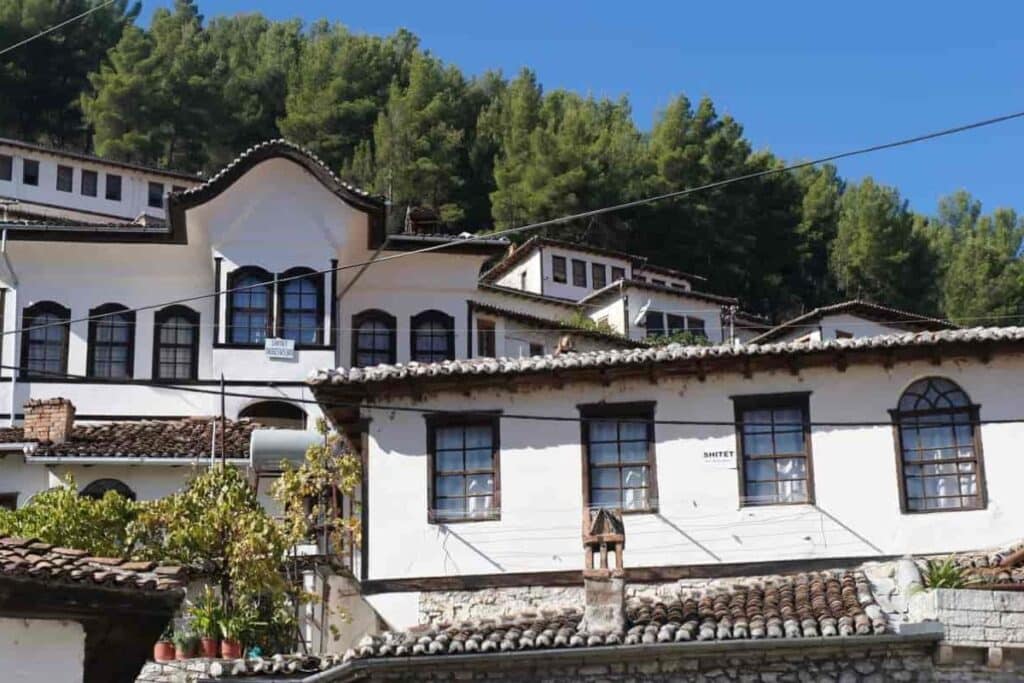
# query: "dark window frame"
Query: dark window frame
98,488
28,316
559,269
579,273
375,315
158,197
113,191
602,281
108,311
26,164
618,273
536,349
6,167
9,500
446,321
65,173
317,281
267,282
477,418
161,318
285,411
625,412
700,330
973,412
486,338
799,399
651,331
90,183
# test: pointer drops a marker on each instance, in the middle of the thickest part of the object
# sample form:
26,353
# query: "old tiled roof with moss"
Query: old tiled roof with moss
185,438
997,569
32,560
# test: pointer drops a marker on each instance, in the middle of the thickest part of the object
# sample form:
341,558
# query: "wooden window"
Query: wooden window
373,338
176,344
618,456
6,167
536,349
65,178
558,268
598,275
90,181
463,467
939,448
111,351
773,437
44,340
30,171
654,322
156,195
486,339
99,488
695,326
675,323
8,501
301,303
618,273
432,337
249,305
113,192
579,273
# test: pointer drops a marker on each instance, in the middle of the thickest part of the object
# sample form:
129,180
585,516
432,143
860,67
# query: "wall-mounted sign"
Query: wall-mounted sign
720,459
279,348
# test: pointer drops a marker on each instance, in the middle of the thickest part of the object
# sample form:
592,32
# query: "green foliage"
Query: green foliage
581,321
62,517
206,613
944,574
185,641
684,337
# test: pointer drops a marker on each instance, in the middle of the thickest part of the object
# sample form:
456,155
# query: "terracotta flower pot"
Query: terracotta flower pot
208,647
163,651
230,649
185,654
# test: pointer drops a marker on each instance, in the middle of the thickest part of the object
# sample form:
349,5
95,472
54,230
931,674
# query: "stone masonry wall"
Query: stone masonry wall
974,617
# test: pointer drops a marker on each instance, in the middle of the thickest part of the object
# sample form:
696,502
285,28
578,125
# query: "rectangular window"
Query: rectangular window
618,456
113,187
522,280
6,167
618,273
598,275
536,349
486,341
773,438
8,501
696,327
676,323
65,178
463,459
842,334
558,268
156,195
30,172
654,321
89,183
579,273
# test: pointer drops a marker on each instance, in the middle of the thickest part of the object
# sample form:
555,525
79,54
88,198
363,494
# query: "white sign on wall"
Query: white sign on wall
279,348
720,459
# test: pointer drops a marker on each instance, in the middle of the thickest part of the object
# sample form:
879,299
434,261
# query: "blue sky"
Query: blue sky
806,79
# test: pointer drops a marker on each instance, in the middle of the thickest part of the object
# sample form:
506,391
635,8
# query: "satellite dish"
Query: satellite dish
641,316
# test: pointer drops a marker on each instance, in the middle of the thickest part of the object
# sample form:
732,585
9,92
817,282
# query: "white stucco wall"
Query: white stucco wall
700,518
651,276
566,290
37,650
676,304
827,327
532,267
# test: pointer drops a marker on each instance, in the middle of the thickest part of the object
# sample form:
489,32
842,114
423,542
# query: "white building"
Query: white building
850,319
722,456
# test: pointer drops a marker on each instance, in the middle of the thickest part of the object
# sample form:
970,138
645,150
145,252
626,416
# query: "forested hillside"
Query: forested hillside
493,150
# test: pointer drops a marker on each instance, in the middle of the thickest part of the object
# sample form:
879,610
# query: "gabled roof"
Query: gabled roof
613,289
184,439
92,158
862,309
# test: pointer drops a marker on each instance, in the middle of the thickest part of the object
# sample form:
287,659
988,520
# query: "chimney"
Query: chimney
604,538
49,419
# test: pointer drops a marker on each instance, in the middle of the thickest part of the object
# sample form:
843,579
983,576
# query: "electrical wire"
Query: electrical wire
57,26
566,218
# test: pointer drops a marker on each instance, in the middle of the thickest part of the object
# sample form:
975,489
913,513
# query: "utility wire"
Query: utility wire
57,26
567,218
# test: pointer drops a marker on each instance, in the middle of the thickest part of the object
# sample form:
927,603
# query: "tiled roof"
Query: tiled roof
613,289
1000,568
36,561
83,156
670,353
186,438
859,307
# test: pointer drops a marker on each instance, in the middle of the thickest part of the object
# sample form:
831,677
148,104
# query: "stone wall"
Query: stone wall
977,617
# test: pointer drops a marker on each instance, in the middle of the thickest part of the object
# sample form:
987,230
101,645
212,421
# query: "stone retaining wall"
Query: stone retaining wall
976,617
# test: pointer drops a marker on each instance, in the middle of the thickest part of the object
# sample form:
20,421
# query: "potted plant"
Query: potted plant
233,628
185,643
206,614
163,651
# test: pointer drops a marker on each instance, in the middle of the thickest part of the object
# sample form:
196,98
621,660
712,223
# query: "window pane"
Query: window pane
449,437
449,461
633,430
450,486
634,477
605,498
480,505
604,453
757,444
634,499
479,484
603,430
604,477
633,451
761,470
479,459
789,442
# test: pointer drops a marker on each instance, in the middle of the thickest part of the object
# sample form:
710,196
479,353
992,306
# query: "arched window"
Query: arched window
98,489
275,414
176,344
111,353
301,306
249,305
44,340
373,338
940,449
433,337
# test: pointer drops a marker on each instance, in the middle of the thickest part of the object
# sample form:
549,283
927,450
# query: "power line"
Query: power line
564,219
57,26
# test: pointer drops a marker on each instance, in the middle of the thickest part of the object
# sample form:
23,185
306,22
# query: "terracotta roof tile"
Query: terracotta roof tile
866,309
29,559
